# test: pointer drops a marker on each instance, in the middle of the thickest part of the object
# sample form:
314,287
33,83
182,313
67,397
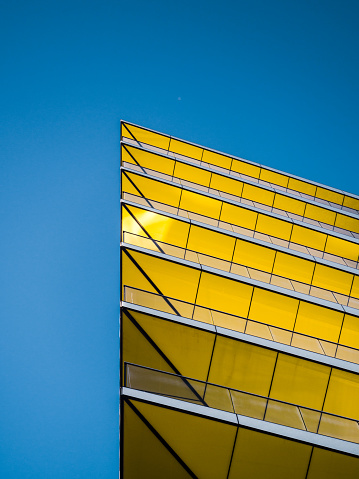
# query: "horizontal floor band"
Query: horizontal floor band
257,341
249,239
306,437
243,279
330,188
244,180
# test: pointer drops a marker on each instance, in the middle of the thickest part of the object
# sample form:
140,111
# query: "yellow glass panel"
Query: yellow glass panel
351,202
253,255
273,308
332,279
343,394
188,349
216,159
238,216
320,214
132,276
153,189
191,173
200,204
308,237
332,465
242,366
125,156
245,168
355,288
318,321
299,381
138,350
258,455
211,243
329,195
272,226
350,332
159,227
286,203
302,186
146,136
347,223
127,186
258,194
173,280
273,177
186,149
204,445
151,160
223,294
341,247
292,267
228,185
144,454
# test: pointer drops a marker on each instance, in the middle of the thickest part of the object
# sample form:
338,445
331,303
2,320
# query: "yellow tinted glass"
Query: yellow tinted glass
318,321
200,204
217,159
292,267
185,149
145,136
289,204
274,227
343,394
302,186
211,243
228,185
245,168
238,216
332,279
260,195
273,177
341,247
254,256
190,173
308,237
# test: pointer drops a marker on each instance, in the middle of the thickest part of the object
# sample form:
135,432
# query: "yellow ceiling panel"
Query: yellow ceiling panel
216,159
302,186
273,226
329,195
258,455
204,445
318,321
308,237
145,136
160,227
144,454
211,243
242,366
191,173
342,247
320,214
347,223
273,177
255,193
173,280
238,216
254,256
332,279
138,350
189,349
151,160
292,267
185,149
273,308
200,204
286,203
245,168
350,202
228,185
223,294
299,381
350,331
343,394
332,465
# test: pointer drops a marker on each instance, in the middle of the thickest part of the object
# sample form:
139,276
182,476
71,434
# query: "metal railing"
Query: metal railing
240,402
218,318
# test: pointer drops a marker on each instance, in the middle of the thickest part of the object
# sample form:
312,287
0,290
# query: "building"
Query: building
239,318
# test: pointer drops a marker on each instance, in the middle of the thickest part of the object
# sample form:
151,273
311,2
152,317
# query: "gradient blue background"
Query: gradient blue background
274,82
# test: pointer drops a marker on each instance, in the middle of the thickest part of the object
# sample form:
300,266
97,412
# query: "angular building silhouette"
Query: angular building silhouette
239,318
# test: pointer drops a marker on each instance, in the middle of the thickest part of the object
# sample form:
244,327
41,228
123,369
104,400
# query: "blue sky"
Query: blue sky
274,82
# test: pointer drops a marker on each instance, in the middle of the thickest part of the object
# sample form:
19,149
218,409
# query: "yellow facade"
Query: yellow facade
239,317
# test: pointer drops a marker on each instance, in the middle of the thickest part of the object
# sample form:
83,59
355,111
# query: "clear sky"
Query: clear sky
275,82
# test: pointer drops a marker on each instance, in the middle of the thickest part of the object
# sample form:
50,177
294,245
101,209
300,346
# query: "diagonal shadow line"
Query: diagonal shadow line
136,188
133,136
143,228
150,281
160,438
134,159
162,354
